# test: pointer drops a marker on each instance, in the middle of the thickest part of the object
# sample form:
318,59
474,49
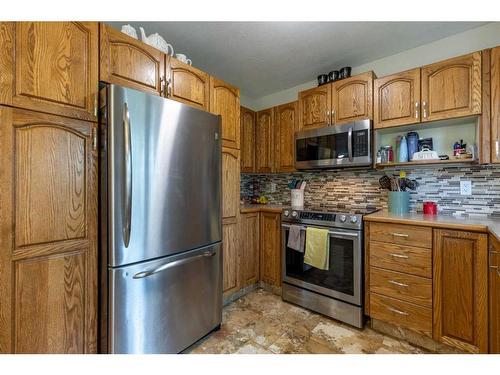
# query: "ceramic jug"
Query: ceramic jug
155,40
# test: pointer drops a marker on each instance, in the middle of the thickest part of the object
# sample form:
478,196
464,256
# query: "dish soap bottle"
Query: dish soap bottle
403,150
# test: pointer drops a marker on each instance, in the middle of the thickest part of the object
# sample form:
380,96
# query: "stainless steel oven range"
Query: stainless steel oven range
338,291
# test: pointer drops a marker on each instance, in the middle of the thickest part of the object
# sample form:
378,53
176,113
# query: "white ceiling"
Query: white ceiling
266,57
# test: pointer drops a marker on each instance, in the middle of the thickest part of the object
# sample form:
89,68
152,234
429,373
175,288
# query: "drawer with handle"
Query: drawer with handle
413,260
401,234
401,313
408,288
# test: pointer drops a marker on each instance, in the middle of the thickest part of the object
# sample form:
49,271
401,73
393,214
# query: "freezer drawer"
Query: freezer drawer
165,305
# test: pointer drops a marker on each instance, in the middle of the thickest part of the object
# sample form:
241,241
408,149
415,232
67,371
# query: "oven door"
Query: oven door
343,278
344,145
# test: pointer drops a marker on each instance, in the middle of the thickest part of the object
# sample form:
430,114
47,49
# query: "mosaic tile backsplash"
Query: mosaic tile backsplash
359,189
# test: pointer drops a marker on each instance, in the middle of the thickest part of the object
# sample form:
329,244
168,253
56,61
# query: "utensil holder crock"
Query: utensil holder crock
399,202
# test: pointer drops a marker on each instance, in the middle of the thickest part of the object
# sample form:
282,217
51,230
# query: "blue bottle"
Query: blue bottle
403,150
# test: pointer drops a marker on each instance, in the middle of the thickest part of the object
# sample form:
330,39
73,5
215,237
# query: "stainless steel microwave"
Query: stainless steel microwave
337,146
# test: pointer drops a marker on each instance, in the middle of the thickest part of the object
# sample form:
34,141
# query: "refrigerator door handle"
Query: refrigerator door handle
143,274
127,159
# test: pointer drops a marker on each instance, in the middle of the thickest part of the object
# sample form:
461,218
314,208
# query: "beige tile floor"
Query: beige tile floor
261,323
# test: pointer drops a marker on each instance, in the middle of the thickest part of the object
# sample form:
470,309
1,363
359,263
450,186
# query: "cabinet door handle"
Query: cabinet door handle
169,85
397,311
94,138
96,104
417,104
162,86
403,235
332,117
397,283
424,107
327,117
394,255
497,148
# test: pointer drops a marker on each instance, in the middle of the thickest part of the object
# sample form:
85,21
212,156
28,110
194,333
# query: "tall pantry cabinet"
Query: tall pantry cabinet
48,194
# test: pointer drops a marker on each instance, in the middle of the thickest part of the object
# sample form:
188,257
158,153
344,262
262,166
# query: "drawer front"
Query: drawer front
408,288
401,234
413,260
401,313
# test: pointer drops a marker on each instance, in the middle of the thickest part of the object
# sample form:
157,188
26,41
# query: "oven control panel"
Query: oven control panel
353,221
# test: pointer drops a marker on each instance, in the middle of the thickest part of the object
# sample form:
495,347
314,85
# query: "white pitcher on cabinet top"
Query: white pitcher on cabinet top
155,40
183,58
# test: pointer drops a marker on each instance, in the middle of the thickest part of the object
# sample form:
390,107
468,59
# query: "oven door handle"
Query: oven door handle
332,233
349,144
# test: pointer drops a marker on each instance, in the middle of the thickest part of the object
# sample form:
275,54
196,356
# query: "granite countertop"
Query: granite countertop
246,208
486,225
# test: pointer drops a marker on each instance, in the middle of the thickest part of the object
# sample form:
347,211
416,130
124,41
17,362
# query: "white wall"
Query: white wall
469,41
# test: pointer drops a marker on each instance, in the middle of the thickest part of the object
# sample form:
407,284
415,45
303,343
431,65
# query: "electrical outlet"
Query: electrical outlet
273,187
465,188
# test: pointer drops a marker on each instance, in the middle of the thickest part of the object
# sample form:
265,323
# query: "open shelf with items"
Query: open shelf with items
443,133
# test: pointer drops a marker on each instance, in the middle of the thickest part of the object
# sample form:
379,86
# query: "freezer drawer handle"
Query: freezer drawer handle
127,197
143,274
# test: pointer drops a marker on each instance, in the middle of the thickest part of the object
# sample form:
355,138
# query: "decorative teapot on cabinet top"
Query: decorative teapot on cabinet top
155,40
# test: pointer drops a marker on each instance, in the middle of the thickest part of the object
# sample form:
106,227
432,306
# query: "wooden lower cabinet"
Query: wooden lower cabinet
231,257
270,248
460,289
494,295
48,234
250,246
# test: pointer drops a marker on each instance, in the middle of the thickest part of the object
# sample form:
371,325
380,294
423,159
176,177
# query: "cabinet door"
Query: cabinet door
264,141
50,67
129,62
250,248
352,99
494,295
397,99
460,280
230,183
495,105
314,107
270,249
452,88
247,140
48,229
231,257
286,125
188,85
225,101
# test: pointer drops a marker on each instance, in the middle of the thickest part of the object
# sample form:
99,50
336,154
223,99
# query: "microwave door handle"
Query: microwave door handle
349,144
127,160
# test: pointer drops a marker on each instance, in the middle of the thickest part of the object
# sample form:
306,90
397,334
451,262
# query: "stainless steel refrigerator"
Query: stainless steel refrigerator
160,223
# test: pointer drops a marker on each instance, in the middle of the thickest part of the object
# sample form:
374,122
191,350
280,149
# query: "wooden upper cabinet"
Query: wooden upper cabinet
129,62
225,101
270,249
230,183
397,99
495,104
314,107
50,67
48,195
286,126
460,298
452,88
188,84
352,99
264,141
247,129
